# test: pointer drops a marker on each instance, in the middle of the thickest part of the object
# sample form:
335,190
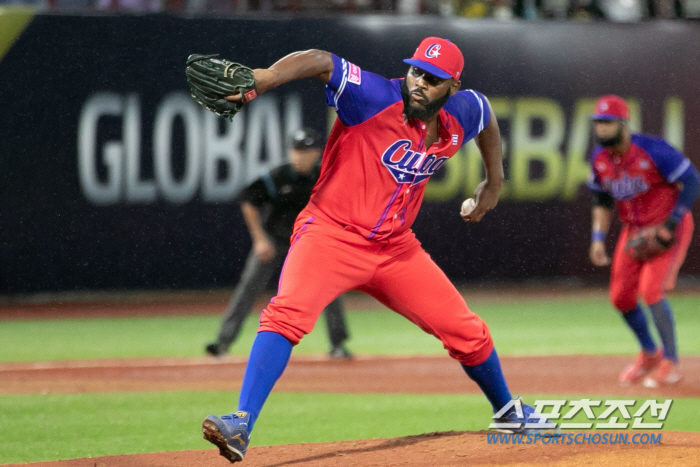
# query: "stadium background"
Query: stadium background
113,180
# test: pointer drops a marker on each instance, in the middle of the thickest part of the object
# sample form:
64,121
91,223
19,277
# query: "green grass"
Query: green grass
566,326
50,427
578,326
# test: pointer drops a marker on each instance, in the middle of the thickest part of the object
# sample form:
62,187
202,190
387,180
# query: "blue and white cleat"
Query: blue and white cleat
518,417
229,433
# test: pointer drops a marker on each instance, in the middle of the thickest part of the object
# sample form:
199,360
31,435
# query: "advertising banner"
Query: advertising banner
112,177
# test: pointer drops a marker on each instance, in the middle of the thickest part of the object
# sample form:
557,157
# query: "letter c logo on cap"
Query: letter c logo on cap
433,51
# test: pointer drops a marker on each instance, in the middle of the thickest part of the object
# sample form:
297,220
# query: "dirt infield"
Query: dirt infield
447,449
589,375
563,375
557,375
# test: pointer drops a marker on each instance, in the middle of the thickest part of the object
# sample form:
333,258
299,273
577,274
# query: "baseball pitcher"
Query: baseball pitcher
355,233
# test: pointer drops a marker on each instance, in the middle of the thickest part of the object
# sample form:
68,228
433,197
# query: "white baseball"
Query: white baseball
468,206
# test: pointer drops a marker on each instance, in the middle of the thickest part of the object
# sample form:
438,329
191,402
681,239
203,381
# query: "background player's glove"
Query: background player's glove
650,242
212,79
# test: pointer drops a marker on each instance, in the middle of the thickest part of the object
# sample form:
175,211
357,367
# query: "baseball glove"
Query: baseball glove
212,79
649,242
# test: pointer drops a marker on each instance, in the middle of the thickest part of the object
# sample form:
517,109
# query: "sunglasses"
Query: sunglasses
431,80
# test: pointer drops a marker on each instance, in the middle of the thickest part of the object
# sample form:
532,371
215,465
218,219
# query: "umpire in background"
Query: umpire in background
270,206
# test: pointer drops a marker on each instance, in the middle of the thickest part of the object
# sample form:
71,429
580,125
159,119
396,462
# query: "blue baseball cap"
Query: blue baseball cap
439,57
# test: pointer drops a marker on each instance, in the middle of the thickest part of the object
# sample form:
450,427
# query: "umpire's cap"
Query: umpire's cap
307,138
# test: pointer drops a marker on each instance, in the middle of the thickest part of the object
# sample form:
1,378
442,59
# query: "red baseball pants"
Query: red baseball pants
325,260
650,279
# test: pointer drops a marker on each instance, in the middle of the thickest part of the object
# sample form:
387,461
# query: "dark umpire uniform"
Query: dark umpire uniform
280,195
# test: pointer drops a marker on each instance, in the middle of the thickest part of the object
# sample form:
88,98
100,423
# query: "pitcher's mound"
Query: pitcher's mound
433,449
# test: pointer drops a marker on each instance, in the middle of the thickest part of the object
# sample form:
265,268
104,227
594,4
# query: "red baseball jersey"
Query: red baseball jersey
641,181
375,165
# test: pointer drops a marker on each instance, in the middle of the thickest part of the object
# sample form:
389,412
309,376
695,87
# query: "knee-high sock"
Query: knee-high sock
268,359
666,325
489,376
637,321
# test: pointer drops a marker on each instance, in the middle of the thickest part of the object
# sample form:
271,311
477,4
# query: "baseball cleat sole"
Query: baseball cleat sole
213,435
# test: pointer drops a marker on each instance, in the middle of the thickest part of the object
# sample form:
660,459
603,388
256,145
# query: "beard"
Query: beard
428,110
611,140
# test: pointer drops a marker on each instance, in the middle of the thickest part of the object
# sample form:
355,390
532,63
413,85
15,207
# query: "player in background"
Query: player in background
270,205
649,183
355,234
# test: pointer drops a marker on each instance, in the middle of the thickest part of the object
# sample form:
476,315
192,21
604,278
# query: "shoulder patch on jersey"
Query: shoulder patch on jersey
354,74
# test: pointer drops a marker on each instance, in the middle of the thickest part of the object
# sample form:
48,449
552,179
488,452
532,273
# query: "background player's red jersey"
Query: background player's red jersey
642,181
381,155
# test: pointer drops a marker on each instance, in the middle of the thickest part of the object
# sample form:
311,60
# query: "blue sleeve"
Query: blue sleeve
671,163
471,110
690,180
593,182
358,95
